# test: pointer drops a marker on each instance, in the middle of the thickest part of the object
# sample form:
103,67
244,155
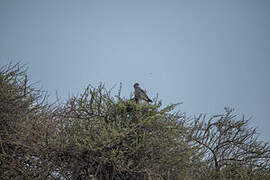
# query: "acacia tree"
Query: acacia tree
19,102
98,135
115,138
93,135
227,141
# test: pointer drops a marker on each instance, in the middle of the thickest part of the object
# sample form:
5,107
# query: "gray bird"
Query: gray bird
140,94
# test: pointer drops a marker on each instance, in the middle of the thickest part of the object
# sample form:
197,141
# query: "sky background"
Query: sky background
207,54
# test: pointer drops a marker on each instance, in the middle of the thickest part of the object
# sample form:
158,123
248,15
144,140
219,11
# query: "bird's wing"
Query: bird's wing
142,94
142,91
145,95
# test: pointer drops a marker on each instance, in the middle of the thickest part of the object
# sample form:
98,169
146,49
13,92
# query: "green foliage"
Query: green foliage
19,102
119,138
100,136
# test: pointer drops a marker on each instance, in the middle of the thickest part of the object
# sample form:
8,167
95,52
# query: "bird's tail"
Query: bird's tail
148,99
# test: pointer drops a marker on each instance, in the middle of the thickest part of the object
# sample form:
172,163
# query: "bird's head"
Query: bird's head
136,85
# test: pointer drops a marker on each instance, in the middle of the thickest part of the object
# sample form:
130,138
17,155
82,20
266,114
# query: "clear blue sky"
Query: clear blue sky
206,54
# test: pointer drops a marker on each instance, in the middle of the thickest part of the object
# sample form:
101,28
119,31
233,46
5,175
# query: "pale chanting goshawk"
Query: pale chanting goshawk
140,94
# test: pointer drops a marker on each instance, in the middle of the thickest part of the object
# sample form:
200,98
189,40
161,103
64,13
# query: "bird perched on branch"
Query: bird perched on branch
140,94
